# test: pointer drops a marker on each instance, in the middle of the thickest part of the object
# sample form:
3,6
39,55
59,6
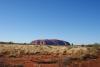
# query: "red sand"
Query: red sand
45,61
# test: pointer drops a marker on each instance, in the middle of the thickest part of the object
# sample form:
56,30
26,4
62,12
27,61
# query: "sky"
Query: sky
75,21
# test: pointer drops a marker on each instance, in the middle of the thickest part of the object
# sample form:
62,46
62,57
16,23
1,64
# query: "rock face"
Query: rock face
50,42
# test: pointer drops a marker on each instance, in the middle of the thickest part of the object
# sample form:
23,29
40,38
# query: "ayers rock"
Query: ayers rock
49,42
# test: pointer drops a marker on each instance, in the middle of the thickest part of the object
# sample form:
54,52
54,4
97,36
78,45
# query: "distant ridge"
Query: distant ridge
49,42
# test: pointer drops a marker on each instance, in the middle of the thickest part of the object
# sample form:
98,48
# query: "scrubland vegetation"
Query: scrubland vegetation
78,52
46,54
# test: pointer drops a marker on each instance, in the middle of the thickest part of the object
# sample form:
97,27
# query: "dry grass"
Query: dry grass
19,50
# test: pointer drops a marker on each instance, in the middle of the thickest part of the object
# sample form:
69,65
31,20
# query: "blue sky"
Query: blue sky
76,21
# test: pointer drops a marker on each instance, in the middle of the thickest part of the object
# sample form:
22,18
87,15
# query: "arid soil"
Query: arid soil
47,61
49,56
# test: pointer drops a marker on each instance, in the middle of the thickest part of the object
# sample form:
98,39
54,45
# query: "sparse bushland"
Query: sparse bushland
78,52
